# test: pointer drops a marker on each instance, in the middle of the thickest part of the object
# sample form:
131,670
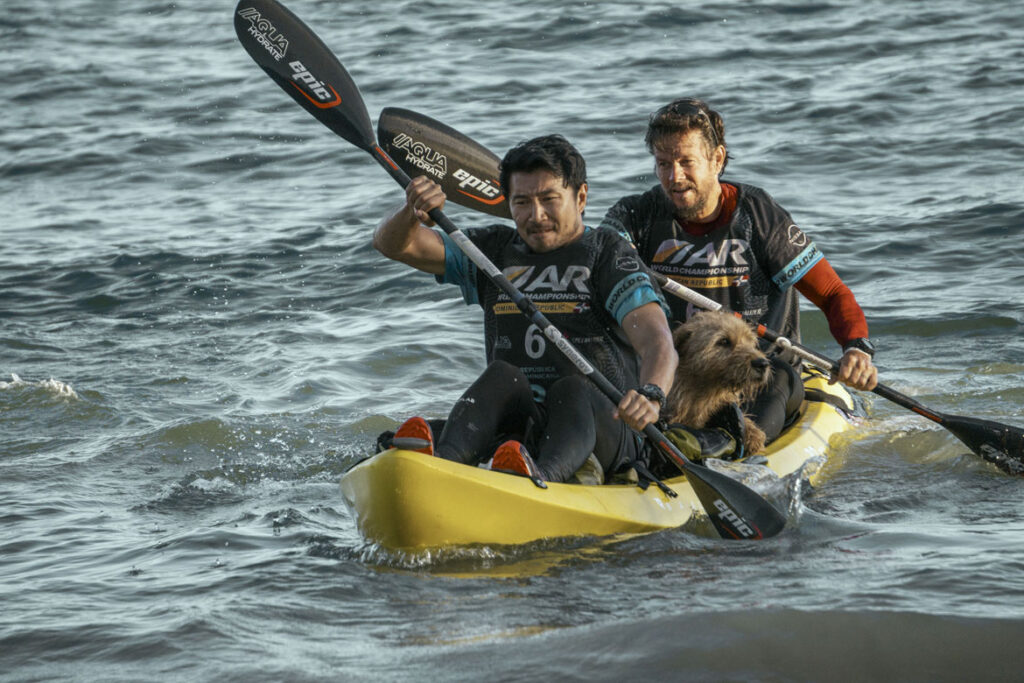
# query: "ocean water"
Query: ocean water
196,340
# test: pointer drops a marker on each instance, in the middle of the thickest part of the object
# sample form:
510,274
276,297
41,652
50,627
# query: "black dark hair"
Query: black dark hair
683,115
551,153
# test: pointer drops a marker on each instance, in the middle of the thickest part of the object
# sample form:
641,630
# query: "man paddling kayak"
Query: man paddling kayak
735,245
589,283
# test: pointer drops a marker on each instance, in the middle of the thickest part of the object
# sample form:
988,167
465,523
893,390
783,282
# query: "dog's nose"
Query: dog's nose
760,363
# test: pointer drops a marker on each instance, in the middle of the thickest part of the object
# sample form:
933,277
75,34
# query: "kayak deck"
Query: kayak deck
406,501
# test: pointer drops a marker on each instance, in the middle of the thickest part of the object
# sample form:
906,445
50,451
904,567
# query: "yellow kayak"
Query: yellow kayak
410,502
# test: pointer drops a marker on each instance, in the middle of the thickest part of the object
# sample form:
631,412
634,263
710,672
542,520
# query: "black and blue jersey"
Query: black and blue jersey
748,265
584,288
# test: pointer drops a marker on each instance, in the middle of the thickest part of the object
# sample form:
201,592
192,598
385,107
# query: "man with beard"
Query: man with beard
591,286
735,245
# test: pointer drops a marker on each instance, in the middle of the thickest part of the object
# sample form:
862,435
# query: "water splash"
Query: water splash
50,386
784,492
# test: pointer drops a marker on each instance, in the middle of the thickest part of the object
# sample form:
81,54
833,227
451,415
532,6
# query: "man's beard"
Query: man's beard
695,211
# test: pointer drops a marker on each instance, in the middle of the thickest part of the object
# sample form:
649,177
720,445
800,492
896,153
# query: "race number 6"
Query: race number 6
535,342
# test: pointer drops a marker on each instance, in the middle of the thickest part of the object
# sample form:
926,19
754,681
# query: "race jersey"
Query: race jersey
585,289
748,265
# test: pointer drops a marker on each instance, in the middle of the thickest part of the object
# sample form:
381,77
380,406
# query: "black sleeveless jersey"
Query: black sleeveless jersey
584,288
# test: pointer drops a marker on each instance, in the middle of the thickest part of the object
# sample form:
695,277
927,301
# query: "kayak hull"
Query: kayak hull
409,502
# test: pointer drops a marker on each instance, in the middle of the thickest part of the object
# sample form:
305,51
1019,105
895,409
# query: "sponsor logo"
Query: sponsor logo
549,279
421,156
673,252
738,524
794,271
624,290
325,94
796,236
545,307
503,342
700,282
627,263
265,33
470,184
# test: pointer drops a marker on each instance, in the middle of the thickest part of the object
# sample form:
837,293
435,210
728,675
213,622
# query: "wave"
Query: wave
50,388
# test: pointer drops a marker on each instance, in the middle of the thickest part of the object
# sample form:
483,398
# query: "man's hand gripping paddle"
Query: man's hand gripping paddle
298,61
1000,444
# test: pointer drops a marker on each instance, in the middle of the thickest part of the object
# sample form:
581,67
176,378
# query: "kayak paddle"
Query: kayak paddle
298,61
1000,444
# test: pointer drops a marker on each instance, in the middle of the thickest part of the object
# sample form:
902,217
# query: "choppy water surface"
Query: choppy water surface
196,340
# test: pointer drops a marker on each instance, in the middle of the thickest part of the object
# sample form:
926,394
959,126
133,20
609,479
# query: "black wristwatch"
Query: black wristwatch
861,344
652,392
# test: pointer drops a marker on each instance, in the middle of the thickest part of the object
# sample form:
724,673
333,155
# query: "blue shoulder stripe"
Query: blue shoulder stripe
632,292
458,270
798,267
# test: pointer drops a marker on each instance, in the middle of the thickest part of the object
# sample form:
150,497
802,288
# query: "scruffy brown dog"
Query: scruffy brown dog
719,364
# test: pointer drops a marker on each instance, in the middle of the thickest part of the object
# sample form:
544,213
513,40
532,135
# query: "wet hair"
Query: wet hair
552,153
683,115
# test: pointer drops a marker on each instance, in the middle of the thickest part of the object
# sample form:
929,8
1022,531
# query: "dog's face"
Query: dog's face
721,350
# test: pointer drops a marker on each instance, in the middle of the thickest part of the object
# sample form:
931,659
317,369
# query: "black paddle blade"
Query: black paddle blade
298,61
999,444
735,510
465,170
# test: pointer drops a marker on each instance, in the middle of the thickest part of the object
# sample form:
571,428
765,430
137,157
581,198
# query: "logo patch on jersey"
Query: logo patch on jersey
513,273
668,249
624,294
545,307
549,279
796,236
729,252
798,267
627,263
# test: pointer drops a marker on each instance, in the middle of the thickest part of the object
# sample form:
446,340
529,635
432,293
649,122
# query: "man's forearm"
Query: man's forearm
394,235
658,366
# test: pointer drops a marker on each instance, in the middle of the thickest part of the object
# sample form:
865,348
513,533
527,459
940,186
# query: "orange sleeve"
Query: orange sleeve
822,286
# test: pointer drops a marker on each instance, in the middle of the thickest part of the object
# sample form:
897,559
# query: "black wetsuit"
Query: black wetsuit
574,420
585,289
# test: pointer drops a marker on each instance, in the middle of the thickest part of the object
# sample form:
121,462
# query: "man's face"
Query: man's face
688,173
548,214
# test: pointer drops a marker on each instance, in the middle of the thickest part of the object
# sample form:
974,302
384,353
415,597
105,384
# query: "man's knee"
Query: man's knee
572,387
501,370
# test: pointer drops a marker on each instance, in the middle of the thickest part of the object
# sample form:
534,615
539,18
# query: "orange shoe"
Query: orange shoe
512,457
414,435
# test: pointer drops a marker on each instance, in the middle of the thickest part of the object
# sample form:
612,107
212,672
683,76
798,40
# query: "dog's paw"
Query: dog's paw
754,438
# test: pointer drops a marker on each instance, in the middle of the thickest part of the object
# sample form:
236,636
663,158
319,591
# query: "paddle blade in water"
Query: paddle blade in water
298,61
999,444
735,510
465,170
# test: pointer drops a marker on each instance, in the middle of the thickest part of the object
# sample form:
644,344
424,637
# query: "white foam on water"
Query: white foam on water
52,386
